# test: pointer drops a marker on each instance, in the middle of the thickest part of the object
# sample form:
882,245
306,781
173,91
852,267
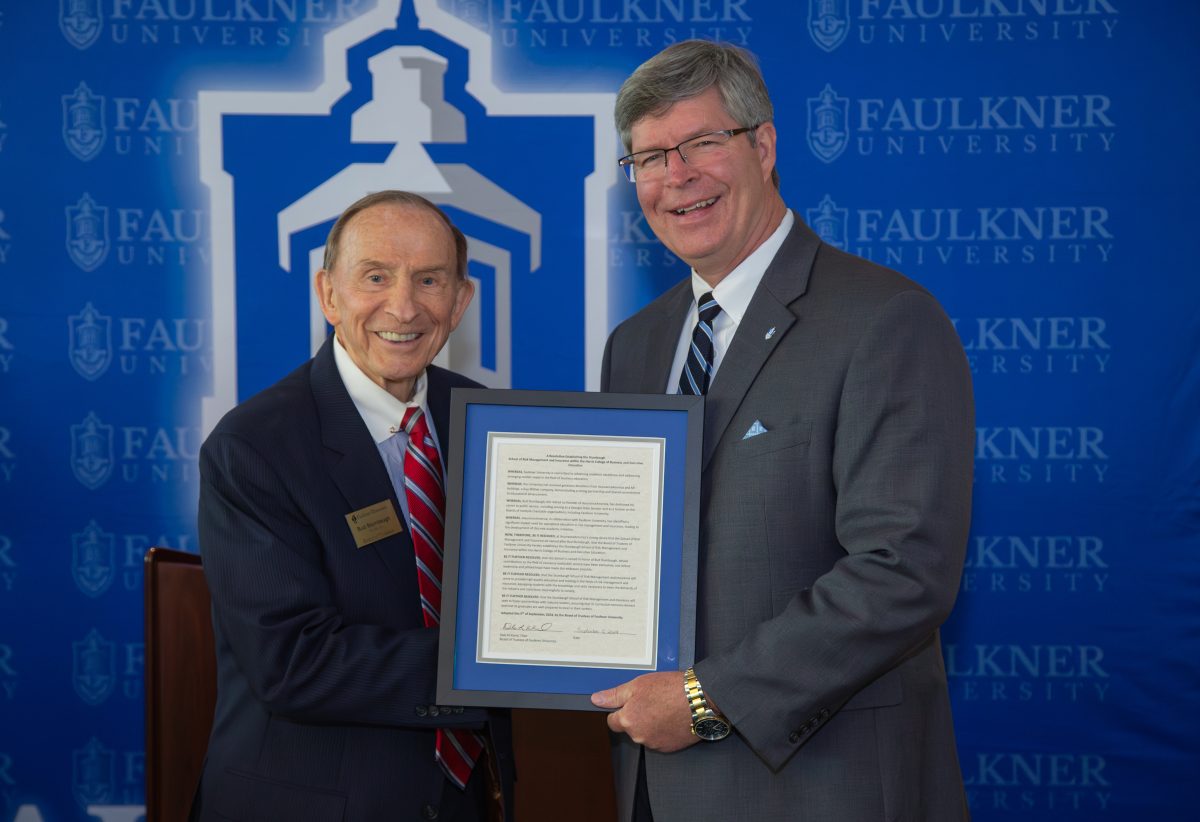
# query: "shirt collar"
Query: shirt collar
734,292
379,410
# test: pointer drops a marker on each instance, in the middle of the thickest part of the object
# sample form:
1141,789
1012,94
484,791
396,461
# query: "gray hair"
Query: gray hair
400,198
686,70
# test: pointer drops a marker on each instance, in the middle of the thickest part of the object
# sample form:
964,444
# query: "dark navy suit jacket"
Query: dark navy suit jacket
326,706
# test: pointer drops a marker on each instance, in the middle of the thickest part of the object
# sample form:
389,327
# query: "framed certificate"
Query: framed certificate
572,521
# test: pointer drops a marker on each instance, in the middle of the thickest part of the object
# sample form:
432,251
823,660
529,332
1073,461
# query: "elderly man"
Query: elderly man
320,522
836,485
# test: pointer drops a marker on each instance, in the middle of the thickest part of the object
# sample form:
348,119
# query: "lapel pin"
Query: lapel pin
770,333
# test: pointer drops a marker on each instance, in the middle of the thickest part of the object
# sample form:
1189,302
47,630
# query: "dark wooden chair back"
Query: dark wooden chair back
181,681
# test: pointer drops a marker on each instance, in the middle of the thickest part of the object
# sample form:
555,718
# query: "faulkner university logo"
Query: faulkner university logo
90,346
93,774
993,124
412,57
1065,784
956,235
79,21
83,127
576,25
828,22
829,222
94,668
92,451
928,23
92,564
828,124
87,233
1031,564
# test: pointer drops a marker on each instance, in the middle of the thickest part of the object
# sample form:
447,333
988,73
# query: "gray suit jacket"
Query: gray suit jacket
830,547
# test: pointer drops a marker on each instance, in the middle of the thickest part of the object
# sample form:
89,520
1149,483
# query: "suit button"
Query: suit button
421,710
458,709
793,737
429,812
823,715
434,710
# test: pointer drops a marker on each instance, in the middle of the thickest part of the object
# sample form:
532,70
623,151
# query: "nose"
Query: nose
401,302
678,172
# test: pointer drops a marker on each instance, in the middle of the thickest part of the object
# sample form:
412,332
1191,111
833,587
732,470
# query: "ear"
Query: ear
323,283
462,298
764,143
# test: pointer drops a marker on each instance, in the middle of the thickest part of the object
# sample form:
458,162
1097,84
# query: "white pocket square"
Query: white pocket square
754,430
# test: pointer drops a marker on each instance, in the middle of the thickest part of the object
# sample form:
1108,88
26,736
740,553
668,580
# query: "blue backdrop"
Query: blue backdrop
169,168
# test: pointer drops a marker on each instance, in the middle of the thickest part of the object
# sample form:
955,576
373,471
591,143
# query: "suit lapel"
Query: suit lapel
356,467
437,398
765,323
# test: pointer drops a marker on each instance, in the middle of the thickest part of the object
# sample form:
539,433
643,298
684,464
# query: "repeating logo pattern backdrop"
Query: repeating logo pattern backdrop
169,168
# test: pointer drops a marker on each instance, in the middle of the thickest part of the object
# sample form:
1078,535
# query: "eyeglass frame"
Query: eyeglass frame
626,162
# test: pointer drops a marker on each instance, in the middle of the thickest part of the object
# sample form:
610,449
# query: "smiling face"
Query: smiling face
393,294
715,215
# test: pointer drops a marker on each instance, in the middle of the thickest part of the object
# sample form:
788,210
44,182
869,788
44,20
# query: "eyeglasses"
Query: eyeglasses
695,151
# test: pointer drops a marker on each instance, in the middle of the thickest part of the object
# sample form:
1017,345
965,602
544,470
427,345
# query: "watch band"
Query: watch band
706,722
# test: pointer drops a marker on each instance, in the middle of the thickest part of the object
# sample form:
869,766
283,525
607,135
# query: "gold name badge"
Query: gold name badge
373,523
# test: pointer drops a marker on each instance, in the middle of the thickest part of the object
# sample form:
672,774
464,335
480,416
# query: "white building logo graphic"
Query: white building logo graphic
418,121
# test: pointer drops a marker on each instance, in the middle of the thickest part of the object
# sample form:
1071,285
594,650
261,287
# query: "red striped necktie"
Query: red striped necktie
457,751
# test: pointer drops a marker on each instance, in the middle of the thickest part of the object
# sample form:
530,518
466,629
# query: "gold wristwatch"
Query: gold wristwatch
706,723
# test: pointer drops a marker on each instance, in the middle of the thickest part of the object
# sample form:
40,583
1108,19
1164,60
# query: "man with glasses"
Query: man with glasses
836,488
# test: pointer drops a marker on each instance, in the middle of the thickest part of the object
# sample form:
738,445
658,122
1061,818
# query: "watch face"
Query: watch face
711,729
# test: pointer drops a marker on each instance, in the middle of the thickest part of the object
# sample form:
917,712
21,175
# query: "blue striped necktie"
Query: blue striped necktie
698,369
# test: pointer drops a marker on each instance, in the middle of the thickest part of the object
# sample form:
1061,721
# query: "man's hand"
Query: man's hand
652,710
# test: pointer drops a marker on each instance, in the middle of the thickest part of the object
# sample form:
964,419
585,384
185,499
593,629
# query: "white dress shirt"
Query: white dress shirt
733,294
383,413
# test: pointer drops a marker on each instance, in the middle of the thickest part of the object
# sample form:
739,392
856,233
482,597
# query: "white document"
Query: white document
571,545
